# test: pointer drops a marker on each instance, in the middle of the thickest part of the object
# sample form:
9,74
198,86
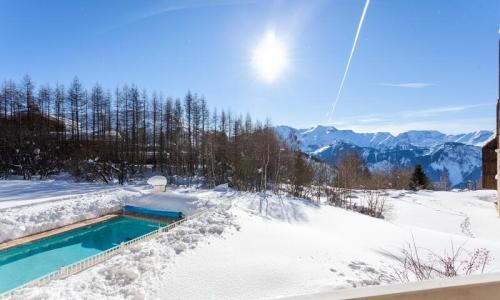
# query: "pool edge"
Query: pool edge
46,234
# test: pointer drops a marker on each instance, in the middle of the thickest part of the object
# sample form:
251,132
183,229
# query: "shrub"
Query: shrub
419,264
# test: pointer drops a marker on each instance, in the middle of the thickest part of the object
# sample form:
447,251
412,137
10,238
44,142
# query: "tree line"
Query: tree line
101,135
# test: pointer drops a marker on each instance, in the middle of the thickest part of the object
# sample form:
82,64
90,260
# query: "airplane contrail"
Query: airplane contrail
334,105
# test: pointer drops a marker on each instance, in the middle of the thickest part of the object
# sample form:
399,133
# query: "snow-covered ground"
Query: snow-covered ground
29,207
252,246
23,192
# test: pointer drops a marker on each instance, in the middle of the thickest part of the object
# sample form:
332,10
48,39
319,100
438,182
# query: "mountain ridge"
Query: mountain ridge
323,135
437,152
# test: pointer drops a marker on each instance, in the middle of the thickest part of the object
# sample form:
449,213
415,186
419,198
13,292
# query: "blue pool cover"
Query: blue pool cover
153,212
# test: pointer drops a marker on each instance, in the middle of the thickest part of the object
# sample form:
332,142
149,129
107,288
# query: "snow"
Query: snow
248,245
381,166
320,150
460,160
170,201
46,205
449,212
23,192
222,188
157,180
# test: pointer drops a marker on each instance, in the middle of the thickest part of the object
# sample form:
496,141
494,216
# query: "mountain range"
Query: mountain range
458,154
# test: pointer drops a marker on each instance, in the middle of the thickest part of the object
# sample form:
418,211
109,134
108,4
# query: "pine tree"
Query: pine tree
419,180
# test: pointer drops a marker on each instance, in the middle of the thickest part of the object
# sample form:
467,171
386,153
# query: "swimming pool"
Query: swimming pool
27,262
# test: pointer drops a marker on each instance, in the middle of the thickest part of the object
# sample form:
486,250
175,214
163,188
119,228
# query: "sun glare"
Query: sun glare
269,57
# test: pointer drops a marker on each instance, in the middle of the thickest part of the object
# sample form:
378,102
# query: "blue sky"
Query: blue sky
418,64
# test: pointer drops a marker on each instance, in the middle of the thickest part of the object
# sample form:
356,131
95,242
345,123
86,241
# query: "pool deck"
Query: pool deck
46,234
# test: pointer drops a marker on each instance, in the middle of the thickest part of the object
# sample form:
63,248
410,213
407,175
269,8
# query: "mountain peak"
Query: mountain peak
319,129
458,154
322,135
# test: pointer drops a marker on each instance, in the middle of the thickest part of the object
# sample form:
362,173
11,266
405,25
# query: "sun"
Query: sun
269,58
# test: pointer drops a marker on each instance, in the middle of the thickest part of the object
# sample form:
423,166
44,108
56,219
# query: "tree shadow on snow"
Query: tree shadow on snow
279,207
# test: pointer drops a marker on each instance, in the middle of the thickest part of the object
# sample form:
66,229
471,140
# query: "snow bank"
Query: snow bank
157,180
222,188
167,201
16,222
29,192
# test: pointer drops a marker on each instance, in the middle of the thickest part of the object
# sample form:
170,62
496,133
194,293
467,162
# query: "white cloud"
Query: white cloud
408,85
440,110
425,119
174,6
430,112
456,127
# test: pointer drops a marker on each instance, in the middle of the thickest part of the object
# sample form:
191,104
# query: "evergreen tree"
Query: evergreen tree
419,180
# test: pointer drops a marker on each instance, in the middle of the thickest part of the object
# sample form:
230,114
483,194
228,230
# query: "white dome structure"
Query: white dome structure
158,182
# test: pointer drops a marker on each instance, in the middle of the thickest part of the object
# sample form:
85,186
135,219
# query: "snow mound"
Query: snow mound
167,201
17,222
222,188
157,180
29,192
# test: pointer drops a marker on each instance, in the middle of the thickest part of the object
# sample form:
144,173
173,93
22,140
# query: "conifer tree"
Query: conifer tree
419,180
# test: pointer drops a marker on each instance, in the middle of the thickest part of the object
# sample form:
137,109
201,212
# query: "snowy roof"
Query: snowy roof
157,180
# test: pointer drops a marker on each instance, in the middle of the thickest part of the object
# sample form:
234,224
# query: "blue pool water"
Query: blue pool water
32,260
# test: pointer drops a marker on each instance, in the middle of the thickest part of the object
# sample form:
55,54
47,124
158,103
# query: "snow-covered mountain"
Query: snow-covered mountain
436,138
459,154
320,136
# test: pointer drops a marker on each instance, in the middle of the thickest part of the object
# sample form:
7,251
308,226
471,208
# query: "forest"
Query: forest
101,135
